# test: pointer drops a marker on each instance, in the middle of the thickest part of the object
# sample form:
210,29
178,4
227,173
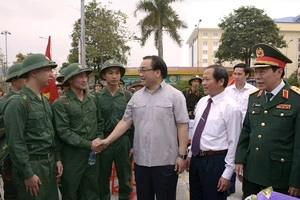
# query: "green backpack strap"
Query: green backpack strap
66,103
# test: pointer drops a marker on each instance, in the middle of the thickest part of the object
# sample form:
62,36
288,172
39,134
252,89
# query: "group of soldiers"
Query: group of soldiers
56,143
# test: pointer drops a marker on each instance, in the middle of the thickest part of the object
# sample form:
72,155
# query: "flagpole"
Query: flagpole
83,61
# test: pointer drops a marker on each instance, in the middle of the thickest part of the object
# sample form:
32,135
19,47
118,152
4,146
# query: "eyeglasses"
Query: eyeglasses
143,70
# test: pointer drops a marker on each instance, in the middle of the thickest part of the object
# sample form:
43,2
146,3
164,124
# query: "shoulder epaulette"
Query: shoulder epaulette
253,91
295,89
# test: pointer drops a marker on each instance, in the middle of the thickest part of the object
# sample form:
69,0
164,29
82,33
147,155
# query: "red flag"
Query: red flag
50,91
231,80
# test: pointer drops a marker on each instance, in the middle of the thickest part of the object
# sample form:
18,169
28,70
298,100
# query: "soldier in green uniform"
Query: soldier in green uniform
268,151
193,94
112,104
98,88
30,133
60,79
136,85
75,121
10,192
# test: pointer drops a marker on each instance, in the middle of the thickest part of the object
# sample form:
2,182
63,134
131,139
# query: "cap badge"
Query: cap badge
259,52
111,61
79,66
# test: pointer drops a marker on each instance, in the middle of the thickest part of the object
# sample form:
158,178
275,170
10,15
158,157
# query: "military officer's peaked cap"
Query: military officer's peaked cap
14,71
112,63
74,69
267,56
195,77
35,61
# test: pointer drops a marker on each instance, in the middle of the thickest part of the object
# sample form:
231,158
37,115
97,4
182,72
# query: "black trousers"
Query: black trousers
204,176
158,181
253,188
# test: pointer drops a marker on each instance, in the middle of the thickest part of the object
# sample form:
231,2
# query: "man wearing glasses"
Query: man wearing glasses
160,117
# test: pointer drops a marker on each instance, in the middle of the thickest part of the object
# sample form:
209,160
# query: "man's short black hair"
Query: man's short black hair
219,73
274,68
158,64
246,68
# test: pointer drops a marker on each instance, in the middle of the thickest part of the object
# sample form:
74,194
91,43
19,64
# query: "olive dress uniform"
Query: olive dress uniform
31,137
112,109
75,123
269,144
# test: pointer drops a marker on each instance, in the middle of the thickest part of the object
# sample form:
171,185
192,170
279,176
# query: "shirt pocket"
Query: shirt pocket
281,166
254,114
91,114
36,121
76,117
139,110
282,120
163,110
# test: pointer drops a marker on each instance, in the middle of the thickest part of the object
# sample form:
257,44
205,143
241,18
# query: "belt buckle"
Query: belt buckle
201,153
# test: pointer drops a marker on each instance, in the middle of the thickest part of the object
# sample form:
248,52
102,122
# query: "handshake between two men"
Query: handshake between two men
98,145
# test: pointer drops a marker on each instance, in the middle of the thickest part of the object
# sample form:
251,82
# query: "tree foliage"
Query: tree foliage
106,36
183,84
244,28
21,57
160,17
292,80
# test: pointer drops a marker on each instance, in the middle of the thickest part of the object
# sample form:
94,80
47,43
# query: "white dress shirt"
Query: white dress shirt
276,90
241,96
222,129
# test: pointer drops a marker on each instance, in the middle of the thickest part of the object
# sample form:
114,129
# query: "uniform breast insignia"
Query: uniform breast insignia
295,89
254,91
284,106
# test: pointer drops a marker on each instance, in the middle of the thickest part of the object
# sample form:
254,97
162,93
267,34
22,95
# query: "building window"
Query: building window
215,44
204,61
215,35
204,34
204,52
204,43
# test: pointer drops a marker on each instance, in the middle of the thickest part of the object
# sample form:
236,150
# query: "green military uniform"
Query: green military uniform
95,93
75,122
112,109
10,192
31,137
269,144
191,97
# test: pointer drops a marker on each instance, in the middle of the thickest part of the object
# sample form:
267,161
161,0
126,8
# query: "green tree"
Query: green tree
64,65
183,84
20,57
292,80
106,36
243,28
160,17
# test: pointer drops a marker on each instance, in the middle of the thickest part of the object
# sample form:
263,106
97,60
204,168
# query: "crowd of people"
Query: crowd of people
73,142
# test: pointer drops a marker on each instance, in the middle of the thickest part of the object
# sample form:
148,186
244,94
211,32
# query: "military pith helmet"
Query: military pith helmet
122,82
136,83
195,77
35,61
72,70
112,63
61,76
98,83
14,71
267,56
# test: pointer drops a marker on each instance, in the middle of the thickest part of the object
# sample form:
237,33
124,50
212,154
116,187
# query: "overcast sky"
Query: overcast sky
27,20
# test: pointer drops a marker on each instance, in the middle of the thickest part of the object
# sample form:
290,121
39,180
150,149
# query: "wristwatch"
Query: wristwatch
182,156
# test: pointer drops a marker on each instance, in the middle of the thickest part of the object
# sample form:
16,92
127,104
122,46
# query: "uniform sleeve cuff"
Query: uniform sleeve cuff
28,173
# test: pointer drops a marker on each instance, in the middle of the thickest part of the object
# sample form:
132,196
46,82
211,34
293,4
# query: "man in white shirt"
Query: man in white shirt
240,91
211,159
